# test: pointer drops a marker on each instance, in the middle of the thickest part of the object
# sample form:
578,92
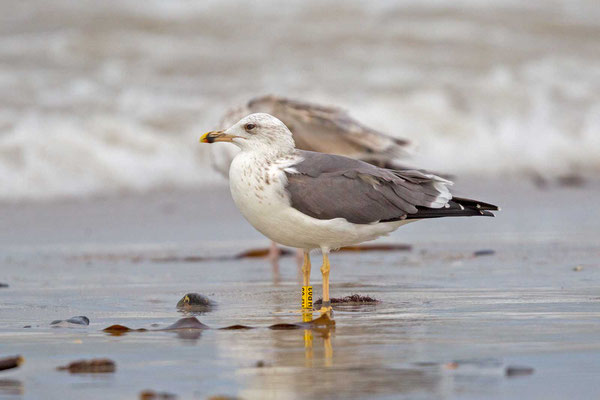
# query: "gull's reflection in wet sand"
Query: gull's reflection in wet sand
321,331
311,362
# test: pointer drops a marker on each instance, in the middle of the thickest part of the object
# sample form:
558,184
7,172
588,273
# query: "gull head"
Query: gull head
255,132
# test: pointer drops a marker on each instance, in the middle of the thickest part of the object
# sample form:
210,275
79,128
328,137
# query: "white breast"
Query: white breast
257,187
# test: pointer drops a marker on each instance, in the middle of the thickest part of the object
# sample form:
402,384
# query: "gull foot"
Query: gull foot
326,310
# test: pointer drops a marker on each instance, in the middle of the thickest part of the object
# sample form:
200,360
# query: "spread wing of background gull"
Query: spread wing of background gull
318,128
311,200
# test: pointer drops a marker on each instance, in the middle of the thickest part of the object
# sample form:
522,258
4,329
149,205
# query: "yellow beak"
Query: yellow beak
216,136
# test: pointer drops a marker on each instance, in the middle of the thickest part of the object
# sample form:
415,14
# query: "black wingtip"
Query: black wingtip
480,205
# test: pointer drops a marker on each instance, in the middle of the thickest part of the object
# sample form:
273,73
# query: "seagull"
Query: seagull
310,200
315,127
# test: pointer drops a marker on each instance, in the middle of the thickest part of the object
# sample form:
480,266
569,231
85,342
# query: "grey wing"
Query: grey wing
331,130
326,186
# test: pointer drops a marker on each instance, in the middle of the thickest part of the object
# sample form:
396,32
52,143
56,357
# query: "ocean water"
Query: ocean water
110,97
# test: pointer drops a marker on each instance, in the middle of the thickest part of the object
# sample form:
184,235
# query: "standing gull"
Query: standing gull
315,127
312,200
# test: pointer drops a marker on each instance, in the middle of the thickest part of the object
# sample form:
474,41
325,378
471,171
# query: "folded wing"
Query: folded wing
326,186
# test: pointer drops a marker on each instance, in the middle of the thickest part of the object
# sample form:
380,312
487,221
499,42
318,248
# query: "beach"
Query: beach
519,320
111,210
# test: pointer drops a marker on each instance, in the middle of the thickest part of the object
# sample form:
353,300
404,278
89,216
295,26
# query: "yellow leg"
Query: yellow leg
307,301
306,269
326,308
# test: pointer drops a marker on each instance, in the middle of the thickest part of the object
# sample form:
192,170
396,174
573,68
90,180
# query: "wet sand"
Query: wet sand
448,326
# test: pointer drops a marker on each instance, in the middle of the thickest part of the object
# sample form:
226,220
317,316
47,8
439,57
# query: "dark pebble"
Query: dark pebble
484,252
3,285
518,371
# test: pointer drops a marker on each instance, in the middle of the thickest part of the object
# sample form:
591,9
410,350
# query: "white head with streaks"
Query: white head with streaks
258,132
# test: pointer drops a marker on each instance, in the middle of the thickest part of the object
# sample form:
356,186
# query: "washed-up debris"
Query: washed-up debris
377,247
195,302
118,330
578,268
352,300
484,252
284,327
235,327
512,370
260,364
3,285
79,320
11,362
181,324
262,253
250,253
93,366
152,395
193,324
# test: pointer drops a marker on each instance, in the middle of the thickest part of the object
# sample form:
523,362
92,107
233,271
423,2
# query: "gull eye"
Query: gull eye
249,127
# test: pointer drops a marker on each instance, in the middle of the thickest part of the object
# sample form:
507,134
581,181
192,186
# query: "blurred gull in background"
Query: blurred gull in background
316,127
